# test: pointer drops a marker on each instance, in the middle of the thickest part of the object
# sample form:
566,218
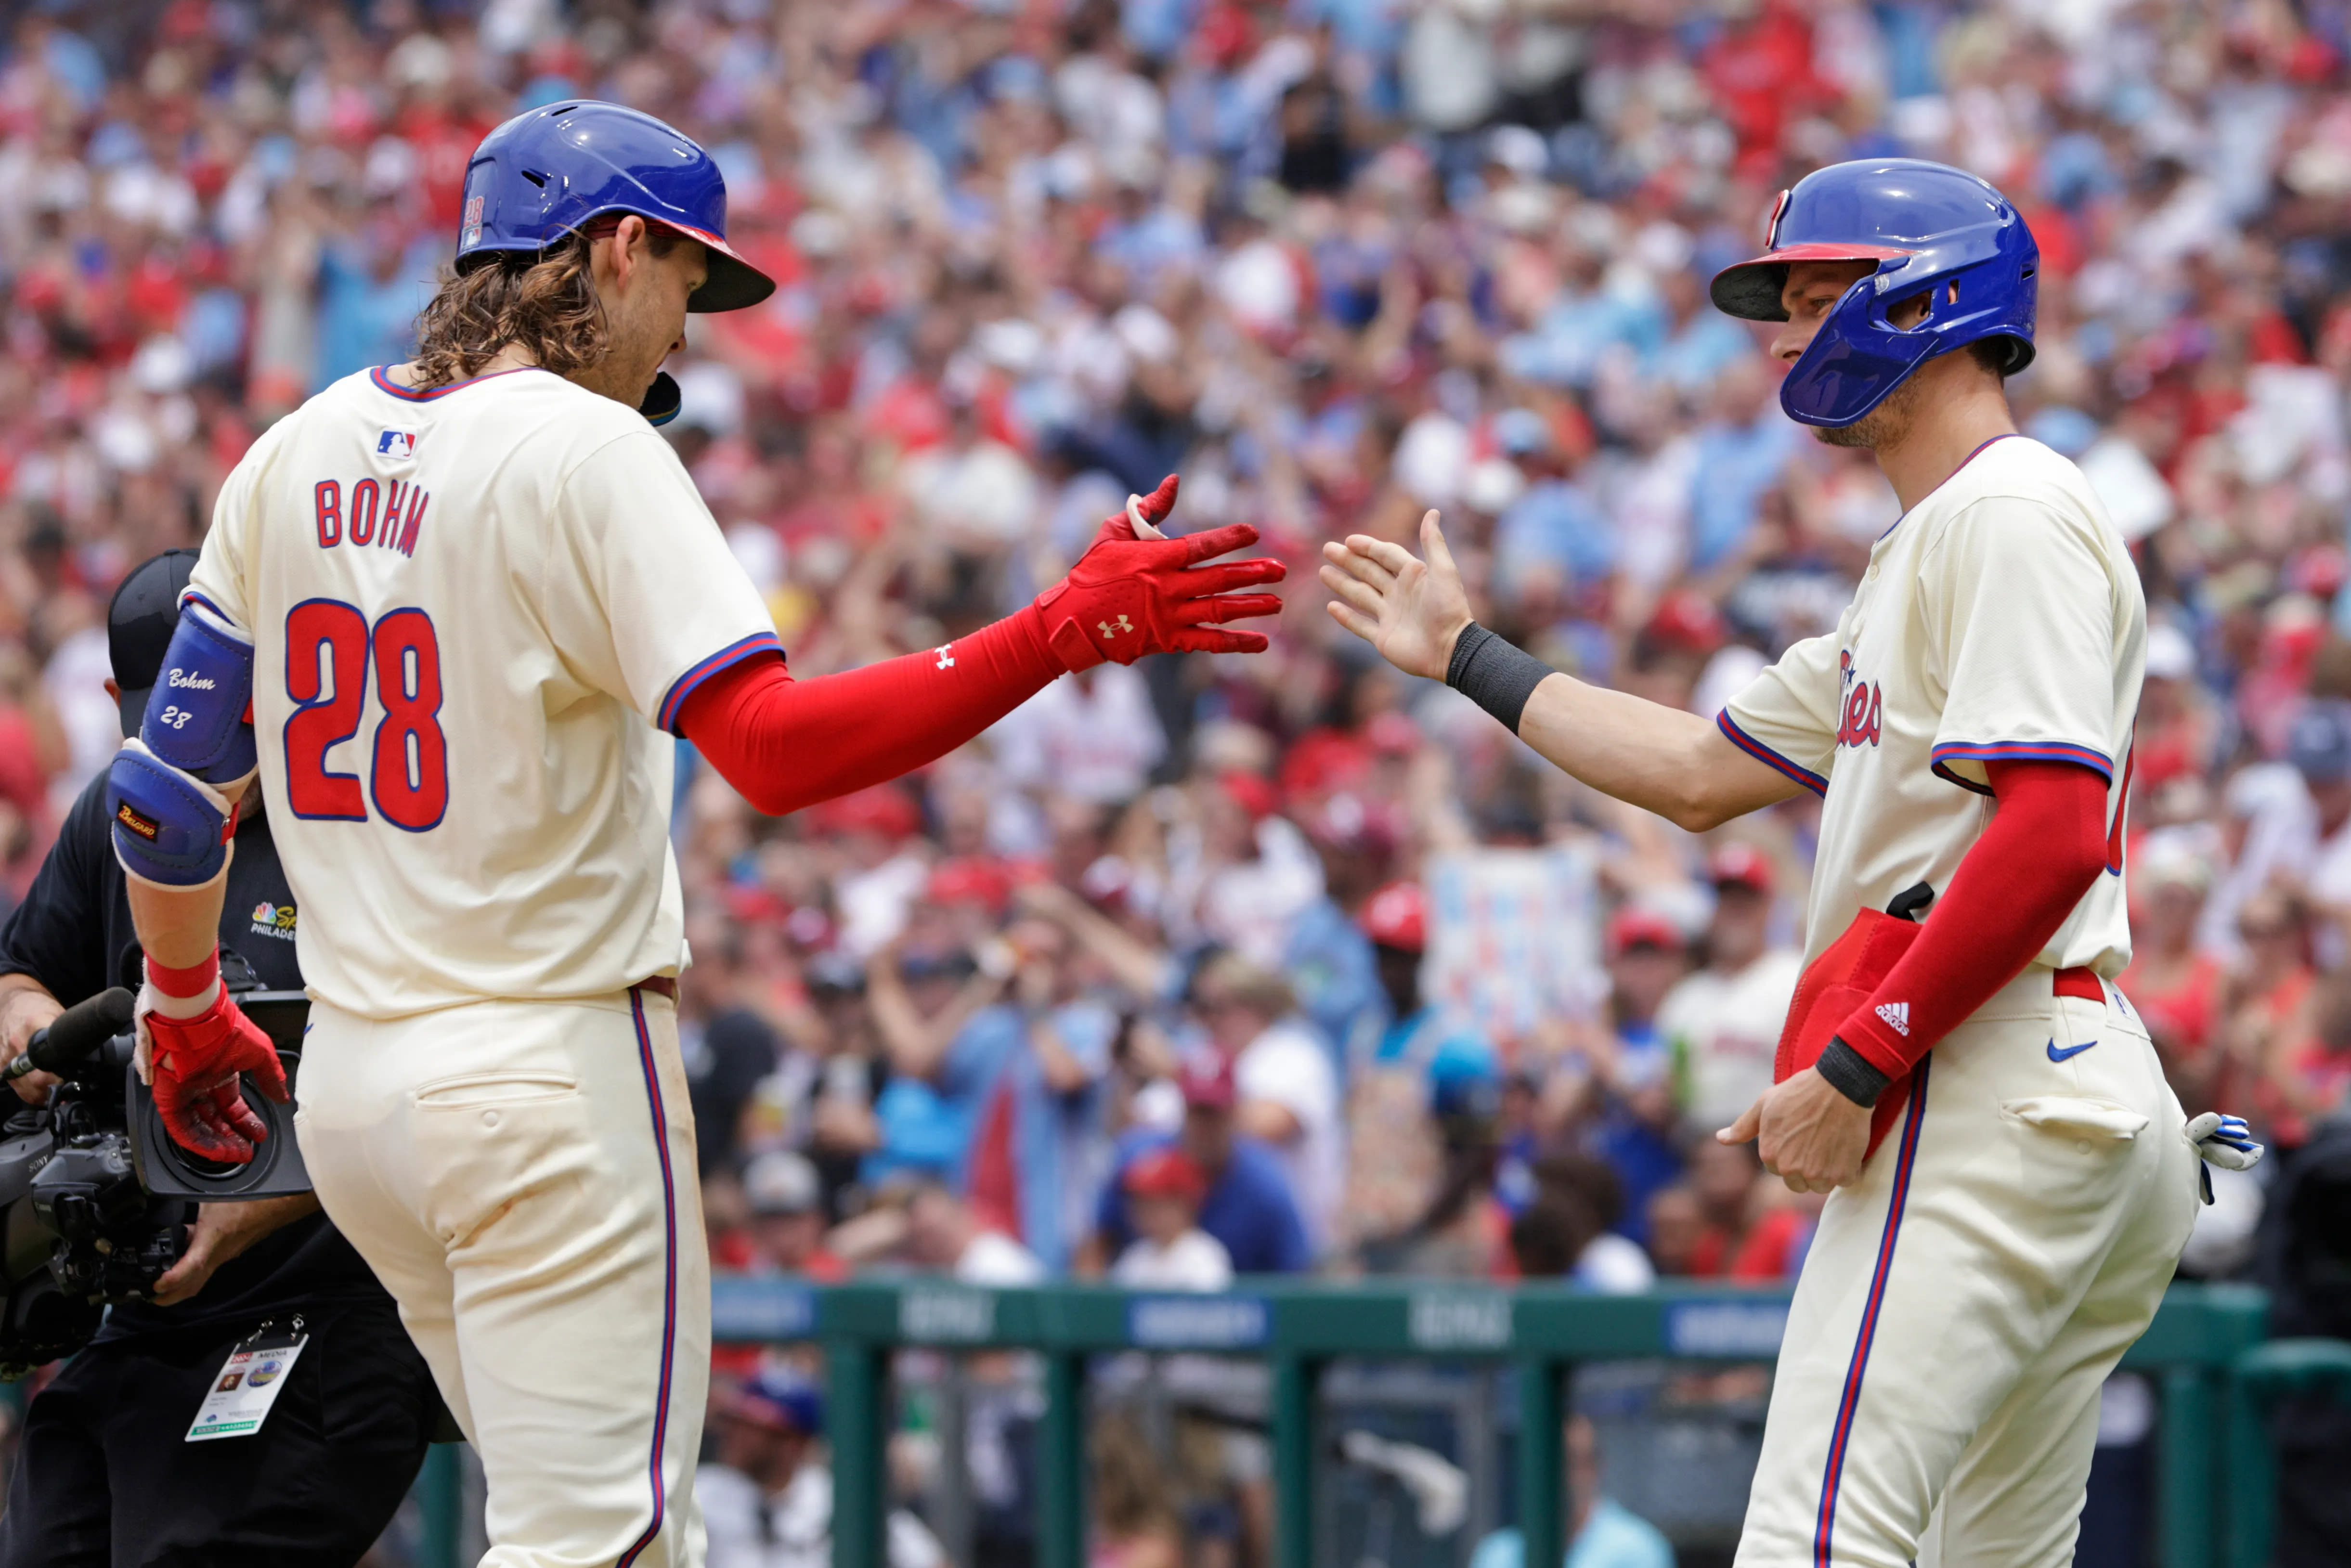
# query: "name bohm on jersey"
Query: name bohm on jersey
376,514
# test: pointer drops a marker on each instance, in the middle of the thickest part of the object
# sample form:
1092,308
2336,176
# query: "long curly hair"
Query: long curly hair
544,301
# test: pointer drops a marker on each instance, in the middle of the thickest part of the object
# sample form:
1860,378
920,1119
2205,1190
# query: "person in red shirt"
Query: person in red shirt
2176,986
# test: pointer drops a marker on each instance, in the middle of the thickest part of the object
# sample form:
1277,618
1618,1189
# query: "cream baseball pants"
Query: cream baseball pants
521,1178
1937,1397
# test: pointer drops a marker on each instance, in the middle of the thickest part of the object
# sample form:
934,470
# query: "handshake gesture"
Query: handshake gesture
1410,609
1136,592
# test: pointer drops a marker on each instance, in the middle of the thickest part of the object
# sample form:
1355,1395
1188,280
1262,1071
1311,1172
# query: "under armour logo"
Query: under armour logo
947,659
1109,631
1898,1015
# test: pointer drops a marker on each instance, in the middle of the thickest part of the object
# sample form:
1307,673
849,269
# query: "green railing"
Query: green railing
2191,1350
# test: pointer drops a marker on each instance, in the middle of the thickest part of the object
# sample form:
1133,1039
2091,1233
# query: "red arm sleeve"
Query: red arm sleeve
785,744
2046,846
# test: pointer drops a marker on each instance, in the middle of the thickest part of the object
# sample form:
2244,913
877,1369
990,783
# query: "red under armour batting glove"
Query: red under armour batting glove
199,1040
1129,595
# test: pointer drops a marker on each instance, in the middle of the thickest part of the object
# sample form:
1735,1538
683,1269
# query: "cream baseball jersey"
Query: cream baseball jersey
2001,618
473,609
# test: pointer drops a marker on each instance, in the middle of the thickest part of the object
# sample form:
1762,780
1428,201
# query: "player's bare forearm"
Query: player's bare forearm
179,927
1660,759
1415,612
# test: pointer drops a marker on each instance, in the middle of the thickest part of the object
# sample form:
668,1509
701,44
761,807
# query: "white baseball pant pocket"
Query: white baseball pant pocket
522,1178
1962,1303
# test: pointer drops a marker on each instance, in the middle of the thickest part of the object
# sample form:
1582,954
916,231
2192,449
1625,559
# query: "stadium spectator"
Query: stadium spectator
942,1233
1722,1022
1247,1208
1751,1230
786,1200
1135,1518
1601,1532
1429,1069
1565,1231
768,1501
1289,1093
1170,1251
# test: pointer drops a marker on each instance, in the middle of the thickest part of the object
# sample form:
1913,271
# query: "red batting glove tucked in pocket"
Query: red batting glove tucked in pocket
1832,987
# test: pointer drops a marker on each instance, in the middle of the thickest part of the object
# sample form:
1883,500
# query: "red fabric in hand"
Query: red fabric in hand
2046,846
194,1065
1847,973
787,744
1129,595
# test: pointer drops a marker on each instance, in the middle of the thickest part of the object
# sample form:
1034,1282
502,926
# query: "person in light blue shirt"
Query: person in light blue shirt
1604,1533
1742,447
370,286
1557,523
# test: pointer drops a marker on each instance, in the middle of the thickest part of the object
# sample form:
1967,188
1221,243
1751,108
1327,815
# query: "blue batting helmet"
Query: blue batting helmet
548,172
1933,231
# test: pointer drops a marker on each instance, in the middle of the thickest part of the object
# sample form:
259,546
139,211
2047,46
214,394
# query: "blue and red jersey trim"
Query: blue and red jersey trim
189,596
1951,751
658,1471
1769,758
726,658
411,395
1849,1402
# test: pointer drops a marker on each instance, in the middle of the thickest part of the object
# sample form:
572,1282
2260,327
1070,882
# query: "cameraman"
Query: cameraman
105,1475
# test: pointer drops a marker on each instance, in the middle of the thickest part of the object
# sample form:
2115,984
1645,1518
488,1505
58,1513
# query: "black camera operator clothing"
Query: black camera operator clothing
141,1382
73,933
104,1478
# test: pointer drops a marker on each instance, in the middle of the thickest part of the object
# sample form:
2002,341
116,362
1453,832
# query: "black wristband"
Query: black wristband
1851,1074
1494,674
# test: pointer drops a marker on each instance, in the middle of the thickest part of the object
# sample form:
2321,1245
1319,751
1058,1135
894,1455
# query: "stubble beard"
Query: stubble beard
1881,426
634,347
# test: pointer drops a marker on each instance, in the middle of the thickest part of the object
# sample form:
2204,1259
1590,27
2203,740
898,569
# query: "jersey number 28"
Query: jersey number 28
327,644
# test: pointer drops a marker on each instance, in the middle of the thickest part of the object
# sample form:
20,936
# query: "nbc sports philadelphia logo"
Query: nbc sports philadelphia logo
274,920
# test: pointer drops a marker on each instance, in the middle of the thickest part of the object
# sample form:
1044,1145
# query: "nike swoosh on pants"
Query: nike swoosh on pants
2071,1051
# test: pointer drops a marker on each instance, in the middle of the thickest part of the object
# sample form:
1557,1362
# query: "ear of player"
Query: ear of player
1129,595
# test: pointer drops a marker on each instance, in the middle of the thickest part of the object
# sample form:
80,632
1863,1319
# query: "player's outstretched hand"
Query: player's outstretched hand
194,1063
1136,592
1412,611
1809,1134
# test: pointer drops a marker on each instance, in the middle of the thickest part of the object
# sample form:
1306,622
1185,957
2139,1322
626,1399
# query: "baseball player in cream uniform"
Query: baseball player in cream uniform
1977,1274
464,611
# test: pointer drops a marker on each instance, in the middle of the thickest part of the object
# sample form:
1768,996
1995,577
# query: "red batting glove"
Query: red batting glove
1129,596
193,1064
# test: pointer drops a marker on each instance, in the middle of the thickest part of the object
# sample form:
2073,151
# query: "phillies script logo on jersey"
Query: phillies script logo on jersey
1864,709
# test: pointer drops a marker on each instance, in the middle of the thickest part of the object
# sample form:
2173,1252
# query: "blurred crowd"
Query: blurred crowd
1140,984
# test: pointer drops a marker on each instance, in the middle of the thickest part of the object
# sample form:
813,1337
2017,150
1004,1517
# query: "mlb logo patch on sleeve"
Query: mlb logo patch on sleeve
400,445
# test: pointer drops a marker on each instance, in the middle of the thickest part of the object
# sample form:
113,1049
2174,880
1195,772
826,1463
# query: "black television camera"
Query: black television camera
94,1194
